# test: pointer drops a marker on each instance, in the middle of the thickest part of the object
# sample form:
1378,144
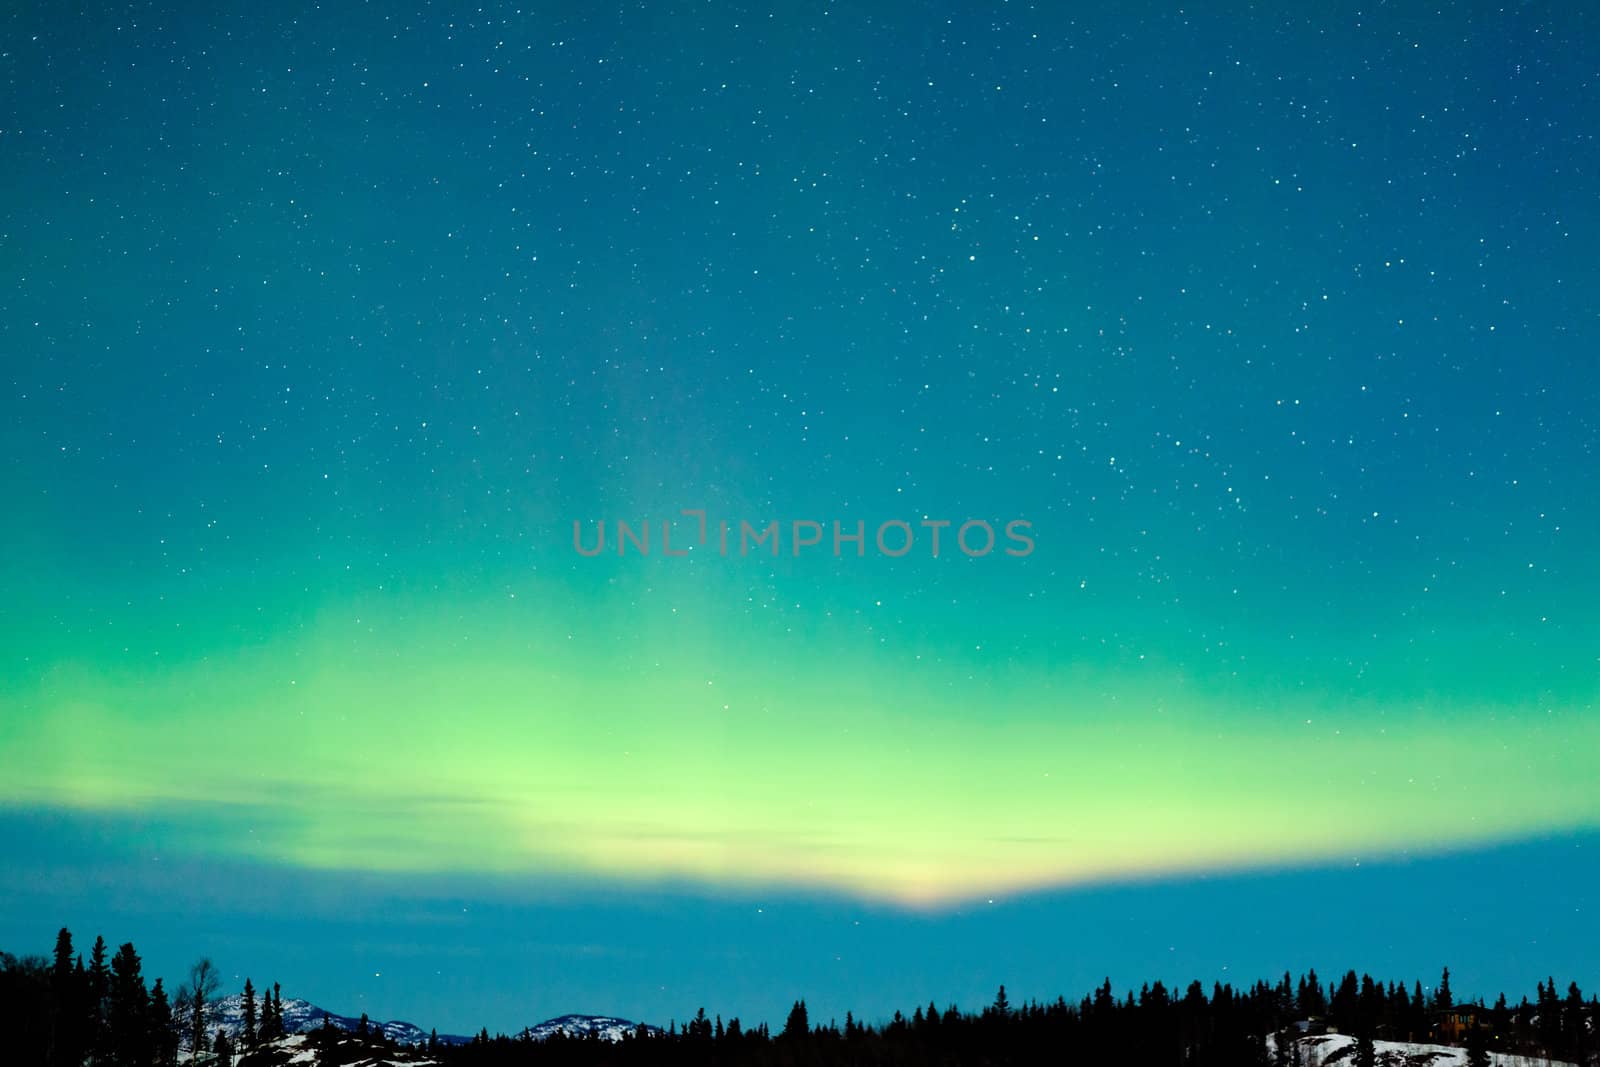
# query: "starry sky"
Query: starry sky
322,325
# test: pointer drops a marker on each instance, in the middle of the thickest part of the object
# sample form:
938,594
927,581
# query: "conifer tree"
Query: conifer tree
1574,1025
271,1025
62,971
247,1035
1400,1012
1549,1009
128,1011
1344,1007
1370,1005
163,1034
99,973
1500,1017
98,993
1312,1002
798,1025
66,997
1366,1052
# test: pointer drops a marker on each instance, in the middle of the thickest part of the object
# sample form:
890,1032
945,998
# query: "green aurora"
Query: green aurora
665,738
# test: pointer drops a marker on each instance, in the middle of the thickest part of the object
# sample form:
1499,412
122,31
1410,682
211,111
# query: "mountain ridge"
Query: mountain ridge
302,1016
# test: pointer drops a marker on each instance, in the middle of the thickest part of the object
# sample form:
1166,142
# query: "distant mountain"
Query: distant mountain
302,1016
605,1027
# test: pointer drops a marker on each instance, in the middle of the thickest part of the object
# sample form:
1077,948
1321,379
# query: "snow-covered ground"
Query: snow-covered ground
297,1050
1330,1049
299,1054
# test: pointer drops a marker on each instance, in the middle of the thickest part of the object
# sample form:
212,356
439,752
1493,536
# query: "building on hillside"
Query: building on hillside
1450,1025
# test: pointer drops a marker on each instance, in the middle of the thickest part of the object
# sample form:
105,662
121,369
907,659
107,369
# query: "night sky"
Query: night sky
321,327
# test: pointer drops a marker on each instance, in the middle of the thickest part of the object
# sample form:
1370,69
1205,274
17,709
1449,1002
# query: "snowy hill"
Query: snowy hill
314,1046
605,1027
302,1016
1339,1049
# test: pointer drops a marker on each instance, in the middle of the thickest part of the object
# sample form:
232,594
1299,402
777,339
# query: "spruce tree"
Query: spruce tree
273,1016
1400,1012
271,1026
1574,1026
128,1011
1366,1052
62,972
1549,1018
798,1025
1345,1008
66,1003
247,1036
98,993
1500,1018
163,1034
1312,1002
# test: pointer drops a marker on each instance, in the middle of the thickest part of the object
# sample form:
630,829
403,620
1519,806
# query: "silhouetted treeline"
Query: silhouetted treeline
1225,1027
61,1011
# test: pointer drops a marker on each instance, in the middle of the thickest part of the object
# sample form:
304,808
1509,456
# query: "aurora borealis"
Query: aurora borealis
370,746
322,326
